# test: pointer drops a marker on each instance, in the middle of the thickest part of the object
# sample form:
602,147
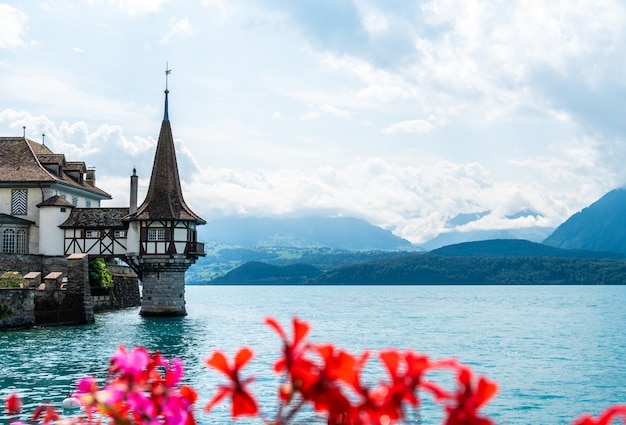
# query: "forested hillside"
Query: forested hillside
419,269
506,262
519,248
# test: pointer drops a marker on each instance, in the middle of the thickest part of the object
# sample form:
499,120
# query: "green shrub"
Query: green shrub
99,274
11,280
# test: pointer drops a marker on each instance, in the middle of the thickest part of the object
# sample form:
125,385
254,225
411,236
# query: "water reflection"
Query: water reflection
166,334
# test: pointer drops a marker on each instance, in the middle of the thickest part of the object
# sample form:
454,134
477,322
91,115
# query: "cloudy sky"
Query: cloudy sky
404,113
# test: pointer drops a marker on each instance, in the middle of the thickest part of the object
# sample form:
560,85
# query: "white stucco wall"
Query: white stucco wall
5,201
45,237
81,198
51,237
132,238
33,197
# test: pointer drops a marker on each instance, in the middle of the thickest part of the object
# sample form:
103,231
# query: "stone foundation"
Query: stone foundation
17,308
65,303
26,263
58,292
163,281
123,294
163,294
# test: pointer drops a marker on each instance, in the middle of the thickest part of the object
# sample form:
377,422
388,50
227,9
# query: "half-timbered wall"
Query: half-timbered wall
166,237
96,242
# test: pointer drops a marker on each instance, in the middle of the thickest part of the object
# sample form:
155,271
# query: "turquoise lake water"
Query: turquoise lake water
556,351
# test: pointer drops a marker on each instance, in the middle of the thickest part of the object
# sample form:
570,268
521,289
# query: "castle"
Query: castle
51,207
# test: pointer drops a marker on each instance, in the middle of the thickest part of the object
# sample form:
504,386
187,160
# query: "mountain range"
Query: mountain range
599,227
342,233
589,247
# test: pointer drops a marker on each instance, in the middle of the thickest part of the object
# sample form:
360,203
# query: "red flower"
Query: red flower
13,404
47,412
242,401
291,351
406,372
338,368
469,399
606,418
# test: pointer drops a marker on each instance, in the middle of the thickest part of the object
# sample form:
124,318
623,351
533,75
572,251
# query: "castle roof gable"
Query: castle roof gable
22,163
78,166
51,158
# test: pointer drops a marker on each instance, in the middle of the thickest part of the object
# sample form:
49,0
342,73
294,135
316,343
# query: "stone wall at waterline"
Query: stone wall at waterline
17,308
58,291
123,294
125,287
26,263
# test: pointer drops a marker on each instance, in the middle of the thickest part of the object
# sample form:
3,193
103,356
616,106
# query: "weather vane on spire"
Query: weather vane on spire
167,73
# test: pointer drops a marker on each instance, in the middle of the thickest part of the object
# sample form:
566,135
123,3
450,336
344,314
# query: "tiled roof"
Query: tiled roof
21,162
18,163
96,218
38,148
55,201
164,200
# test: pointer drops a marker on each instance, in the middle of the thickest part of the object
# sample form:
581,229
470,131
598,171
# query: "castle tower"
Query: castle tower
163,229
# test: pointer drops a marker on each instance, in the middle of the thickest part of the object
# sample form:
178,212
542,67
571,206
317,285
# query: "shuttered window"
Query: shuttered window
19,201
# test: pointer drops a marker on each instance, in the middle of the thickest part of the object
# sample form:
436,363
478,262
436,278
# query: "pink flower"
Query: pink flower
133,363
174,373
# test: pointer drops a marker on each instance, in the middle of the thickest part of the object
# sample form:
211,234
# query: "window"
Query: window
92,233
18,201
74,201
62,209
156,234
120,233
88,203
13,239
8,241
21,242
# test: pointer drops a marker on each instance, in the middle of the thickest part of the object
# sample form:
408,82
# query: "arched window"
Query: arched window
21,244
14,240
8,241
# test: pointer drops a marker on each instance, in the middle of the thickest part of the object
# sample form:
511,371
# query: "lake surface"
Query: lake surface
556,351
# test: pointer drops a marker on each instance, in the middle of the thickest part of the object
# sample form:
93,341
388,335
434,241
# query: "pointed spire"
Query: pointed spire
164,200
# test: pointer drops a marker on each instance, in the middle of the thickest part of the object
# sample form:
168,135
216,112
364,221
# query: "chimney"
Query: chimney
91,177
134,183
